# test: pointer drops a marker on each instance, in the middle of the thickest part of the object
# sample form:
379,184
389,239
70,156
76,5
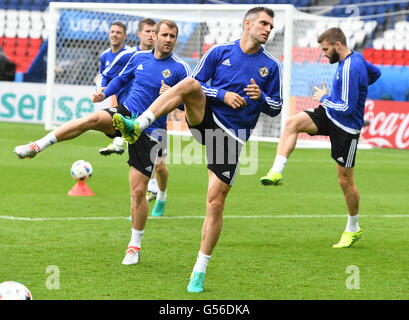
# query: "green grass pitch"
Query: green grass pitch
275,244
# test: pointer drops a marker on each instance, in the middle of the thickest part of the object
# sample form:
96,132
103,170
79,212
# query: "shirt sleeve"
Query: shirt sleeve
346,100
272,96
115,68
373,72
123,77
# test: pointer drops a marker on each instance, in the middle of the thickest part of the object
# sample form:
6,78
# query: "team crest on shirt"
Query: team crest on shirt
166,73
263,72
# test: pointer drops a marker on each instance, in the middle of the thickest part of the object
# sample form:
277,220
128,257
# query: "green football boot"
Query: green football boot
196,282
272,178
348,239
129,128
159,208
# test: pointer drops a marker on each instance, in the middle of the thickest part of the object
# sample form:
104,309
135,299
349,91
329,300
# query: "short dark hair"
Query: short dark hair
257,10
120,24
333,35
171,24
147,21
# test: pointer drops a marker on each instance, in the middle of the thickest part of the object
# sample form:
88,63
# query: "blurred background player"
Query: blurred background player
231,85
157,186
152,73
117,37
341,117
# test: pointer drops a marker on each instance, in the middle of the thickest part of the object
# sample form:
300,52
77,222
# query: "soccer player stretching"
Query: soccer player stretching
118,31
244,81
117,37
340,117
157,188
152,73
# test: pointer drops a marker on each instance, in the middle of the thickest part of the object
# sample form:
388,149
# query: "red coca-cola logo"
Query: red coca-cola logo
388,124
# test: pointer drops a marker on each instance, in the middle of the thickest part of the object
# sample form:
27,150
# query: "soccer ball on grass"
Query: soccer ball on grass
81,170
13,290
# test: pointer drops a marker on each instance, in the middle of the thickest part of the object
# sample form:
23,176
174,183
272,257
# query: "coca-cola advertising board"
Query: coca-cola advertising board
388,124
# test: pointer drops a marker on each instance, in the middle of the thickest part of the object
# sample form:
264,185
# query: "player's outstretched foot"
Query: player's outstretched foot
196,282
132,256
128,127
272,178
110,149
150,196
27,151
159,208
348,239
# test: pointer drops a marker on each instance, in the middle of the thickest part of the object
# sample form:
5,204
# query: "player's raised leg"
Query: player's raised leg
301,122
188,91
352,231
100,120
212,227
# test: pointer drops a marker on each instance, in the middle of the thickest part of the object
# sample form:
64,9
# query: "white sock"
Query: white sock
153,185
119,141
279,163
161,195
352,224
136,238
46,141
145,119
201,262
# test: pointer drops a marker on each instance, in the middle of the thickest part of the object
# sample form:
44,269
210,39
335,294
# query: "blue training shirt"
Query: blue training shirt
146,73
345,107
105,60
230,69
115,68
108,56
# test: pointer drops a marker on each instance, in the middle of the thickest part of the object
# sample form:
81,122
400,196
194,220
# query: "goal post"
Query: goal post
78,34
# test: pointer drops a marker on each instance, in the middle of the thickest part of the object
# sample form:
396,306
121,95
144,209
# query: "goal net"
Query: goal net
78,34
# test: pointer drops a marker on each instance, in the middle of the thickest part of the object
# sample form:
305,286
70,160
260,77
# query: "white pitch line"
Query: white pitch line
296,216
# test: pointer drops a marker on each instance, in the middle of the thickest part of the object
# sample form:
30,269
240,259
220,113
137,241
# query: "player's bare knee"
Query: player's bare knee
137,194
161,169
292,124
189,86
345,183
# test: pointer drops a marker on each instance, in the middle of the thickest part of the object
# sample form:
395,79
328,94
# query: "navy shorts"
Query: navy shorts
222,151
343,144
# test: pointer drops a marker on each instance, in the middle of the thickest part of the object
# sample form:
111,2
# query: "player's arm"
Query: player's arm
373,72
347,100
205,70
116,84
119,63
271,96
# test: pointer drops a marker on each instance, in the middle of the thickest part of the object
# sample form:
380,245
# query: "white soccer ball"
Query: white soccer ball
13,290
81,170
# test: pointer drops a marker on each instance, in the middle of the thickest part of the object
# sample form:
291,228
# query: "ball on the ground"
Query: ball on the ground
13,290
81,170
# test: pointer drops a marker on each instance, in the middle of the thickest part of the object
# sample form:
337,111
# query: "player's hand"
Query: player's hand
98,95
319,93
253,90
164,87
234,100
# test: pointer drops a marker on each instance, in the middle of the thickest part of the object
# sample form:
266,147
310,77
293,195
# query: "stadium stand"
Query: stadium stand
23,29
